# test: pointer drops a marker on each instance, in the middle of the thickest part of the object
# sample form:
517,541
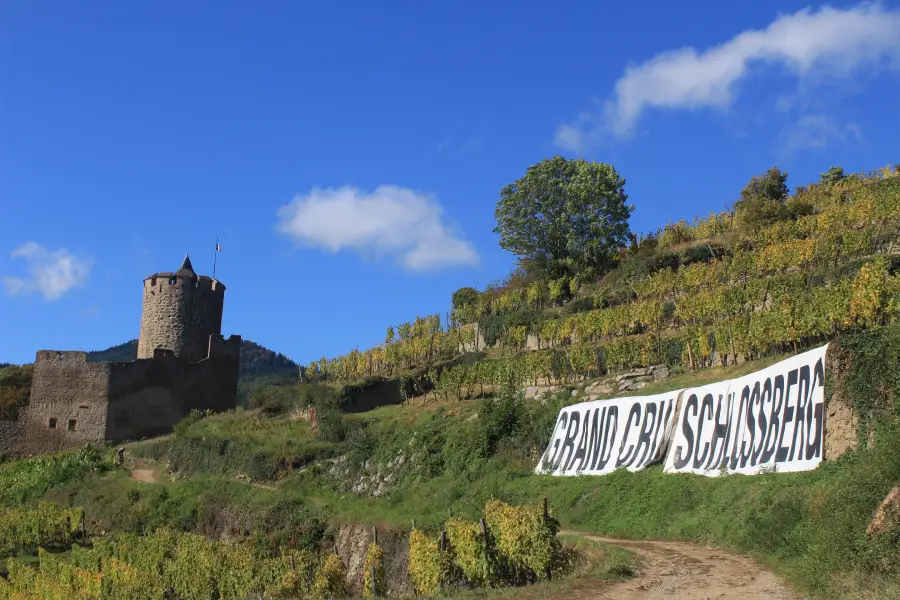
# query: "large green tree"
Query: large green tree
763,199
564,217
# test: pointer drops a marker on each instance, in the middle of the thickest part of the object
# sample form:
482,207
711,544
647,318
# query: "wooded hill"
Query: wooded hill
256,361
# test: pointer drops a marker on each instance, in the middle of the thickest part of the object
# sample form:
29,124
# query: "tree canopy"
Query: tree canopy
564,217
763,199
832,176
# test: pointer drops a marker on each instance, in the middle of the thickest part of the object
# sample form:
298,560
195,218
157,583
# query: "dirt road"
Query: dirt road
679,571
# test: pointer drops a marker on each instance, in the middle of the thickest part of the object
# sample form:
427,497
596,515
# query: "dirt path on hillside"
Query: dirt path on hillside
144,476
680,571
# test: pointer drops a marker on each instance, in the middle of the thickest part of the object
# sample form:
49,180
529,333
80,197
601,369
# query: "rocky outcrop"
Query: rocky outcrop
536,391
841,422
887,515
639,378
351,542
604,388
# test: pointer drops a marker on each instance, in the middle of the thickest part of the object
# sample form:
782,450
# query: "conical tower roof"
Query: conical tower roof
187,269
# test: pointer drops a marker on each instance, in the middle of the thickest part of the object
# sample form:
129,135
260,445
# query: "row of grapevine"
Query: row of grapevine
22,530
54,580
718,320
511,545
748,315
421,341
175,566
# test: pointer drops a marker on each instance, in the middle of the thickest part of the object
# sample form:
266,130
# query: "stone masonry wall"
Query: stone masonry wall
179,314
68,403
74,401
147,397
10,437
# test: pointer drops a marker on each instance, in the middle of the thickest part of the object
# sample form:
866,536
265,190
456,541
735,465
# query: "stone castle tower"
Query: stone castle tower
180,311
183,363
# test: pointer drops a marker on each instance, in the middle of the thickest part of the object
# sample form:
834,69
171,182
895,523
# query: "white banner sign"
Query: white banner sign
594,438
771,420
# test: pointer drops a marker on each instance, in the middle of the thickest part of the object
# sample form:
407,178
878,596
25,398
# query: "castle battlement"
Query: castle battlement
72,356
229,349
200,283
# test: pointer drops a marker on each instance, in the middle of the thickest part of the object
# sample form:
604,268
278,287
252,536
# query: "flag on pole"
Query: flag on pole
218,248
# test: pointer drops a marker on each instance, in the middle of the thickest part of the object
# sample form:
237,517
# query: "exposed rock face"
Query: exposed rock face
639,378
887,515
534,391
351,543
607,387
841,423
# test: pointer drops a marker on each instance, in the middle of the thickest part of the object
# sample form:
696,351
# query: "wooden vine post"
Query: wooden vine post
484,537
546,518
372,566
443,548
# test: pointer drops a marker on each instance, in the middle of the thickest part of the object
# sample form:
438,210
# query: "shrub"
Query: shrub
525,540
332,425
192,417
464,297
24,480
519,546
280,399
428,565
329,581
471,553
491,327
361,443
374,558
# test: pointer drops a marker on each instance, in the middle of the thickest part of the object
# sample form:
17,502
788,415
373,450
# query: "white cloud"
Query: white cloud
572,137
50,272
391,221
812,132
827,43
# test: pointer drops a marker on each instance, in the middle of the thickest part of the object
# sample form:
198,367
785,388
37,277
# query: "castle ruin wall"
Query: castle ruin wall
76,402
68,403
10,438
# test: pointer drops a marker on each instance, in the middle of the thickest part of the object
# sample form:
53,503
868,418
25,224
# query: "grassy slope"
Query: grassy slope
809,526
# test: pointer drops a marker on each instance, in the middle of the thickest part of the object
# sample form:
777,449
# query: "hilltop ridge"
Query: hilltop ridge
256,360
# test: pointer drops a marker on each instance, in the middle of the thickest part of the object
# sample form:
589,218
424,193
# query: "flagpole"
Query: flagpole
215,257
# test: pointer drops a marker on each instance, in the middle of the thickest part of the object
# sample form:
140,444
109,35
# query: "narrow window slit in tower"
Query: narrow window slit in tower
71,424
52,424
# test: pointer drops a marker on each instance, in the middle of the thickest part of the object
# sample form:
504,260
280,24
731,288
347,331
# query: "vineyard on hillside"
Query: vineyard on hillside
512,545
728,287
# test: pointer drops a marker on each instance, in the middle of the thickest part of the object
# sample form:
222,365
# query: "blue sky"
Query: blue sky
349,155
